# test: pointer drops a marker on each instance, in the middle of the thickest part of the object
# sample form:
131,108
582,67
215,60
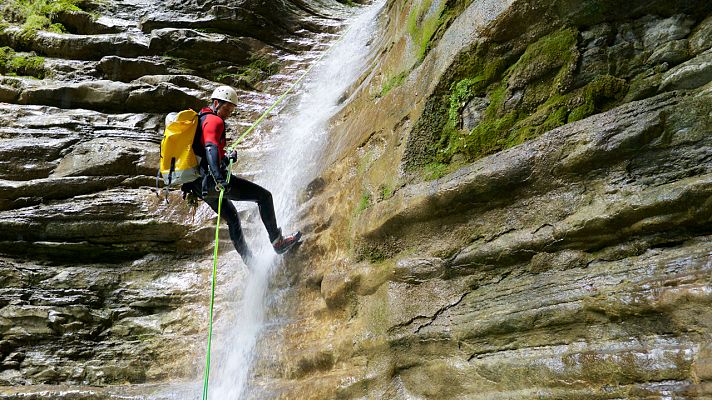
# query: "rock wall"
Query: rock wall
101,281
516,201
516,205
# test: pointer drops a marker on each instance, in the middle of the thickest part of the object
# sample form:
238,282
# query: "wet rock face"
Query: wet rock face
101,281
573,264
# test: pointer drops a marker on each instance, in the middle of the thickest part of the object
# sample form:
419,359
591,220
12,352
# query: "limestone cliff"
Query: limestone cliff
101,281
517,205
516,201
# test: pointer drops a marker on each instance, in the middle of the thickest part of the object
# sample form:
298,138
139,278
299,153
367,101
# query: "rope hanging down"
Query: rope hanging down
220,199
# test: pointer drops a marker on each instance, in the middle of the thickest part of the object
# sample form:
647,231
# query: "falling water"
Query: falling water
298,142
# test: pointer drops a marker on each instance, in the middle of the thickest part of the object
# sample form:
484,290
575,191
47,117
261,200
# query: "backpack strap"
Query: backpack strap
197,147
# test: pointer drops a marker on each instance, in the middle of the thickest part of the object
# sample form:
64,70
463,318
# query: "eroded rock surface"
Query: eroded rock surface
516,203
102,282
566,256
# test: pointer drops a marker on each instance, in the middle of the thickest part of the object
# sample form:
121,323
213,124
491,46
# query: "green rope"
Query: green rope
212,294
222,192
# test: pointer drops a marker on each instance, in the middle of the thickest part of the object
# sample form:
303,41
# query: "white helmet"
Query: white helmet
225,93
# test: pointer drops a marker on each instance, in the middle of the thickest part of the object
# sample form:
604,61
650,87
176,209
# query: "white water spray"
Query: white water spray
301,133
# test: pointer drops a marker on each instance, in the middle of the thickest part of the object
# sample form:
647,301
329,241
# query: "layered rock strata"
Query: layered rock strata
101,281
517,205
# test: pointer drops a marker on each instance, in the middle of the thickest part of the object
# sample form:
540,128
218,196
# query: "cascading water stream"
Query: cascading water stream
301,132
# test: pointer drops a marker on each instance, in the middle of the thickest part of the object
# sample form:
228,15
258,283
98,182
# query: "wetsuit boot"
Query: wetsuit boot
283,243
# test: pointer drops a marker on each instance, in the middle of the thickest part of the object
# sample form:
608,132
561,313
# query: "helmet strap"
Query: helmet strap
214,107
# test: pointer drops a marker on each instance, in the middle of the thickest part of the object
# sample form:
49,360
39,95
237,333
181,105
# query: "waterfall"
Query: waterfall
300,134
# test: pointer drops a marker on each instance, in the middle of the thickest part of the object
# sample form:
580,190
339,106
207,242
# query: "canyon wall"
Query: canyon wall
517,205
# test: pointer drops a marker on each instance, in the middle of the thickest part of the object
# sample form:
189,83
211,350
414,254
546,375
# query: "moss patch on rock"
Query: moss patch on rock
392,82
428,19
364,202
26,65
258,69
597,95
526,93
423,21
550,53
36,15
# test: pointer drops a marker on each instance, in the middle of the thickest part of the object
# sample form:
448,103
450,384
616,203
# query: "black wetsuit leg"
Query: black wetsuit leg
240,190
244,190
229,214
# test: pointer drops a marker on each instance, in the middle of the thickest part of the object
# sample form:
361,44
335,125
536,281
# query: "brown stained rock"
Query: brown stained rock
703,363
8,94
336,286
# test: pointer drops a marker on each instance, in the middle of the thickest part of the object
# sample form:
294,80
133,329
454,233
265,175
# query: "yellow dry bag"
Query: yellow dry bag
179,164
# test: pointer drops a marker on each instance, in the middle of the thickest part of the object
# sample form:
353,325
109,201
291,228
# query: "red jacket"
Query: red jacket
213,129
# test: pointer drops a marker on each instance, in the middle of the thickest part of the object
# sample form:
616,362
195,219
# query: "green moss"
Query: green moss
542,69
434,171
392,82
13,64
461,92
259,68
6,54
423,22
486,137
529,93
36,15
364,202
386,192
547,54
597,95
27,65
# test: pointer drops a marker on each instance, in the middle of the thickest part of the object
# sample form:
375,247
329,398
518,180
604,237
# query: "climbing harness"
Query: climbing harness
222,192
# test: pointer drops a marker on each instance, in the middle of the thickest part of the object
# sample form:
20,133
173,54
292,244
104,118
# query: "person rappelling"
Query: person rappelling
209,145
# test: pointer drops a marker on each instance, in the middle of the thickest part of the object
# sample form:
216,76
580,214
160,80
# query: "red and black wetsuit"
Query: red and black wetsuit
209,145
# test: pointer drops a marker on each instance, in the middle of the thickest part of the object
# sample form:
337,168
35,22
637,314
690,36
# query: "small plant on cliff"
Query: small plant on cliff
386,192
434,171
13,64
35,15
364,202
392,83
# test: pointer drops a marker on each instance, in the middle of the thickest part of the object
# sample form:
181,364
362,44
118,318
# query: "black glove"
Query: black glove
232,156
